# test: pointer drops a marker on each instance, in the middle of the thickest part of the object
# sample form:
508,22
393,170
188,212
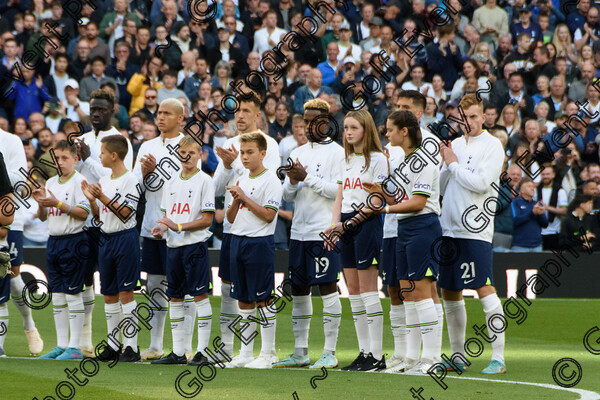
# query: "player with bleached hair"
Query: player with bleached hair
312,184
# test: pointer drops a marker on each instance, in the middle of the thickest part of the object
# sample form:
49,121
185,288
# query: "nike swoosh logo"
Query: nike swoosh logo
72,288
411,274
2,298
317,276
348,169
261,293
362,261
128,283
200,288
469,281
172,194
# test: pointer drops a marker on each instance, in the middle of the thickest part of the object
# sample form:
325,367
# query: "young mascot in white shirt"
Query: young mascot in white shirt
228,172
102,105
361,235
64,205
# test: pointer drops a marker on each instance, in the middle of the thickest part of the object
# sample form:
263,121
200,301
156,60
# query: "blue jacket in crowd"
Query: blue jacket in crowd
527,227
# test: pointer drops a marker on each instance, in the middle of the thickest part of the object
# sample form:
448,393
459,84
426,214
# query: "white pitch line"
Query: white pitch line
583,394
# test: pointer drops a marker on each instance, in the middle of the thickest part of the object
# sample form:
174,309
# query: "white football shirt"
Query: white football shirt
417,175
266,190
314,197
15,160
70,193
124,190
467,185
92,168
184,200
390,223
228,177
355,173
167,168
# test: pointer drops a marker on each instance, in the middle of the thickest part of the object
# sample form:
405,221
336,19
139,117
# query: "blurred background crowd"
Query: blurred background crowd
533,63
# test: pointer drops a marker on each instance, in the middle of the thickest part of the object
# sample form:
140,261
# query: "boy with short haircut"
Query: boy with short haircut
229,170
188,203
119,256
64,205
253,212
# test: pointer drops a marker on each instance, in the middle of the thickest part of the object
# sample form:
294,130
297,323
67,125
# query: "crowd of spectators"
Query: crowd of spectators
533,63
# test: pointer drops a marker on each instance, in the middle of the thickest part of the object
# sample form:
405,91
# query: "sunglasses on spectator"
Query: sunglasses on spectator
150,97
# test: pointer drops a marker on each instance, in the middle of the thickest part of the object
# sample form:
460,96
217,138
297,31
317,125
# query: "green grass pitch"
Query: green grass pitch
554,329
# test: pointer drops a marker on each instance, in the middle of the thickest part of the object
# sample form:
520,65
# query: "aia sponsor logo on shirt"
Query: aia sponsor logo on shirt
55,212
180,208
355,183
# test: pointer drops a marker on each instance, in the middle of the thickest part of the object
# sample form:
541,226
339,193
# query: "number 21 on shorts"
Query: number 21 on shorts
468,271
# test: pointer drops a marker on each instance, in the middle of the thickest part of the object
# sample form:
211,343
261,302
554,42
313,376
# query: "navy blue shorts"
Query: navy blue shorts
417,237
154,256
119,260
388,263
96,239
15,244
252,261
224,263
188,270
66,259
360,247
469,266
311,264
4,284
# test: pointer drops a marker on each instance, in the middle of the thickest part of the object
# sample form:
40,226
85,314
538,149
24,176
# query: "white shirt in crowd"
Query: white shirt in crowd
425,88
354,174
356,51
286,145
70,193
118,189
468,183
261,39
72,114
266,190
184,200
314,197
553,227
